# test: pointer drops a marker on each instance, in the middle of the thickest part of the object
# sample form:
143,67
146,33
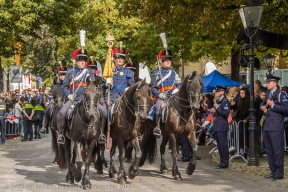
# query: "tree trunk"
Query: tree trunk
235,66
1,77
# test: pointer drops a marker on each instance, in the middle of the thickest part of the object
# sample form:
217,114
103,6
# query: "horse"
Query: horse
180,119
54,109
129,111
82,128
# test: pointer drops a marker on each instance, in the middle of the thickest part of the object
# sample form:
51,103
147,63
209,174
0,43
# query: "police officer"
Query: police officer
220,125
122,78
74,86
275,106
28,111
93,65
133,69
2,120
38,119
165,82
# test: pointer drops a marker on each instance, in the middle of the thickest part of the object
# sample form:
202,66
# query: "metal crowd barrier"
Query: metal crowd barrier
12,129
233,139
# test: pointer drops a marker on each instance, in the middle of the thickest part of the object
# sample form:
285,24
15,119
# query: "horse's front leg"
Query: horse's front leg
121,172
103,160
79,162
86,180
133,169
163,167
175,172
55,146
112,170
68,156
192,164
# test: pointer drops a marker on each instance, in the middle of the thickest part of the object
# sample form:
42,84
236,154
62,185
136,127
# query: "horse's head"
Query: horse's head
142,98
92,96
194,85
58,95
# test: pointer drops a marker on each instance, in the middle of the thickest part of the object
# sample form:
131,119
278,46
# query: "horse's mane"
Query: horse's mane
195,81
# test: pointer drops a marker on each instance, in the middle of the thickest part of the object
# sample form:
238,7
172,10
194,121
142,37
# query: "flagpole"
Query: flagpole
108,73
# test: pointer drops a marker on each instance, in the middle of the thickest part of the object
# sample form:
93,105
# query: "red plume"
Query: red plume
75,53
114,51
160,55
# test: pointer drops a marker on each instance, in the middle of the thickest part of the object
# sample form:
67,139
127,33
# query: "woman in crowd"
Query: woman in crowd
257,88
240,106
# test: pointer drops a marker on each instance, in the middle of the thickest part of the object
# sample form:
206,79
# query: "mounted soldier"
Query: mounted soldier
74,86
165,81
60,74
122,77
133,70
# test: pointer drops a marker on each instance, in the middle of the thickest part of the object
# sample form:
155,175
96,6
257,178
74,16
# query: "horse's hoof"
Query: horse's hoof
87,186
190,169
70,181
178,177
77,173
132,173
122,181
99,171
113,175
164,171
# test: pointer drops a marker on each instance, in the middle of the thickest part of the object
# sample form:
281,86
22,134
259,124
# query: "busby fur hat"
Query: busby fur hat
119,52
165,54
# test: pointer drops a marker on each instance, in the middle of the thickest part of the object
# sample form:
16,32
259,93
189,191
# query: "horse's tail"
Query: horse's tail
62,158
152,149
148,144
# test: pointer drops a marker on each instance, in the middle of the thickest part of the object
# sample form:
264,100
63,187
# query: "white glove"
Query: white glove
162,95
175,91
126,89
108,80
71,97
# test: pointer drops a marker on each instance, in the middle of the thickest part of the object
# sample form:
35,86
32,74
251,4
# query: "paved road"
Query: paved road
26,166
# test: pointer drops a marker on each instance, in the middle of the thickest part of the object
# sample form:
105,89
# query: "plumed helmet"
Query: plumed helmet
92,64
165,54
119,52
130,66
61,70
79,54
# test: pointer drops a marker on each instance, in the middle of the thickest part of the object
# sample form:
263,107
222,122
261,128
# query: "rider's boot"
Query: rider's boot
61,138
102,138
157,130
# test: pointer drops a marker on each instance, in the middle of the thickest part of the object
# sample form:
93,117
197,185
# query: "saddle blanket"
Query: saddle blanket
152,112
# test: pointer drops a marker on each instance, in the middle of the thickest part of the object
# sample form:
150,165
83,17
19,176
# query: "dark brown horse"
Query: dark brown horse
180,120
54,108
130,110
82,129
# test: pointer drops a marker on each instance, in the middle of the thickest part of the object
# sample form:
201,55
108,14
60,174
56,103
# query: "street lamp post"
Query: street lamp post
269,62
251,16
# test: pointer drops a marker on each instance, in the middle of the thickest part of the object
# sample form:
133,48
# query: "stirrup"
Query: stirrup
157,131
102,139
61,139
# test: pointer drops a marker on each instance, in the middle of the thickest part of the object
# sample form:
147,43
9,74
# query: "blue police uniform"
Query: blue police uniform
122,78
2,121
220,126
273,134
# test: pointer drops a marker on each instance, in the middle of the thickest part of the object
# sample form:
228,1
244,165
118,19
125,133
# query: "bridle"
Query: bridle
86,104
135,110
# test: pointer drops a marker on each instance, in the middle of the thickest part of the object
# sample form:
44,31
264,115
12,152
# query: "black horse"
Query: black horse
130,110
53,109
83,128
180,120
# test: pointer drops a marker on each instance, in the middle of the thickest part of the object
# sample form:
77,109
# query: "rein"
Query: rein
85,105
